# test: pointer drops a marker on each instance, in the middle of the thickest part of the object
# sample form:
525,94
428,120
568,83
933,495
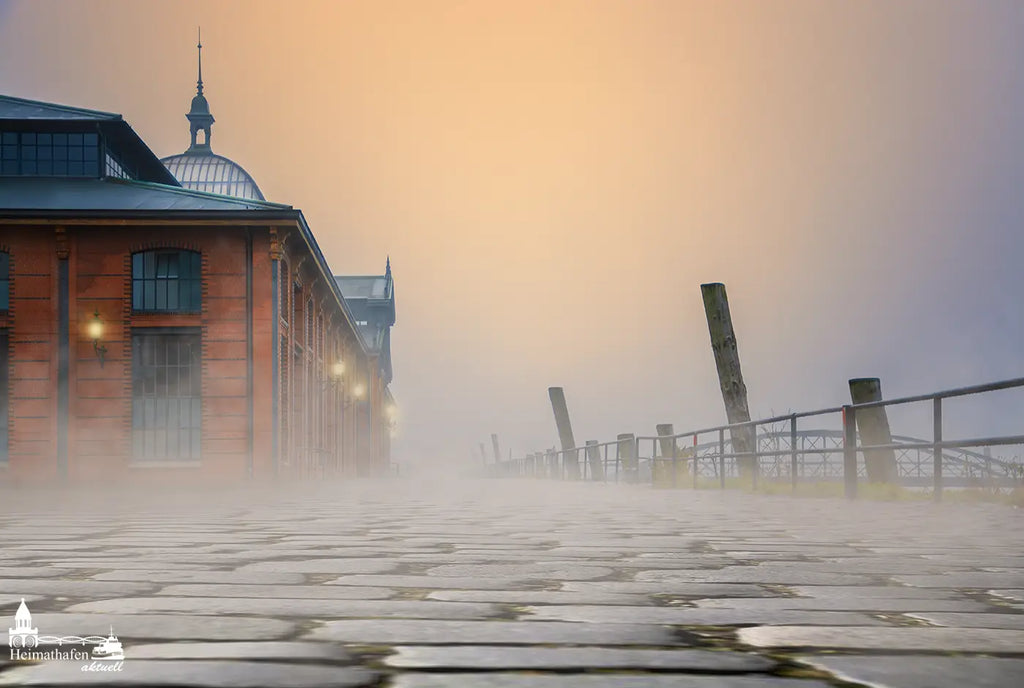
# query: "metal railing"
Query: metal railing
787,454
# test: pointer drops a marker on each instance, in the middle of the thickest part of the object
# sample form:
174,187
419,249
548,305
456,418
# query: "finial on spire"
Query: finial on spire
387,270
199,82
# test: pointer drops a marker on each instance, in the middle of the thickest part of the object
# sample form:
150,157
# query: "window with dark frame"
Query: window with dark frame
166,395
37,154
5,281
166,281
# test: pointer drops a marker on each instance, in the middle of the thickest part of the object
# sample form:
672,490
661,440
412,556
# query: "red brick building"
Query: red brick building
153,330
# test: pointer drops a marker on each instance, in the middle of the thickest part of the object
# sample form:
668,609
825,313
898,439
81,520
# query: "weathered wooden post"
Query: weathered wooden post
873,425
494,446
627,456
669,452
553,464
562,422
730,378
594,459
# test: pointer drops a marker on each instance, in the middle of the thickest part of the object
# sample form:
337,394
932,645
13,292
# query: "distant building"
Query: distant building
162,320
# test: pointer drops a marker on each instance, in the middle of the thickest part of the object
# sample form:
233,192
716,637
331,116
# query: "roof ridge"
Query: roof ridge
59,106
201,194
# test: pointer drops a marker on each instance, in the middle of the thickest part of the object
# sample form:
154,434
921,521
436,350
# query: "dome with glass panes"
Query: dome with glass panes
199,168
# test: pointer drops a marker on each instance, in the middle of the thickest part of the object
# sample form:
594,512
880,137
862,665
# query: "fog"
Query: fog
553,181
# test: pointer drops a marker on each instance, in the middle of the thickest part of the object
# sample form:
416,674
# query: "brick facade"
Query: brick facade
320,427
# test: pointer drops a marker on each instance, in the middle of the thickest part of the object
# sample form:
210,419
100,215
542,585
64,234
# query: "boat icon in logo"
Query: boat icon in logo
109,649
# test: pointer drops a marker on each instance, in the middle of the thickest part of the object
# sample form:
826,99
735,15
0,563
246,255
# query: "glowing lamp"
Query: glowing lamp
337,370
95,330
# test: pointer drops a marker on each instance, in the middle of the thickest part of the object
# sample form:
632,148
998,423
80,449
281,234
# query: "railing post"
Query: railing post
721,459
755,467
668,448
792,451
937,449
696,470
594,460
850,452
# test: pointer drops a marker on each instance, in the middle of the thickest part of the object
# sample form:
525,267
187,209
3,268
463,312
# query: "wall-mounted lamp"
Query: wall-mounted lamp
338,370
96,335
359,391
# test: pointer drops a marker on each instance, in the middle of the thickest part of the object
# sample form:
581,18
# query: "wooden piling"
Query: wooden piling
730,377
594,459
564,425
496,448
627,456
873,426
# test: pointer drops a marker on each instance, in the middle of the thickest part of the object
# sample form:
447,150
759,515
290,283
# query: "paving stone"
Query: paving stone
847,604
163,626
243,578
539,597
535,571
683,616
431,582
419,632
886,639
683,588
777,574
32,572
905,592
317,592
323,566
189,673
958,620
264,651
604,680
972,579
497,657
281,607
1012,595
922,671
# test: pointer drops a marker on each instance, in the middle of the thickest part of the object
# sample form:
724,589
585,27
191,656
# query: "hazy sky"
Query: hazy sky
554,180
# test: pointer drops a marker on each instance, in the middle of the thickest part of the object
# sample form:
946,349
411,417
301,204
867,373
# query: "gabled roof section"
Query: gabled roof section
119,136
75,194
21,108
364,287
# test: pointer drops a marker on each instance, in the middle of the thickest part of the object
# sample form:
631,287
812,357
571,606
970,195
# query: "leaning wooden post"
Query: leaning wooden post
627,456
730,378
496,448
558,405
669,452
873,425
594,459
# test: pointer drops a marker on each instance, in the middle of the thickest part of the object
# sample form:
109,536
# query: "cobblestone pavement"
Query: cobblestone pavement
515,584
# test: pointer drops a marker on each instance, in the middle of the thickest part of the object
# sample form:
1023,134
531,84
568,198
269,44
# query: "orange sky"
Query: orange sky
553,180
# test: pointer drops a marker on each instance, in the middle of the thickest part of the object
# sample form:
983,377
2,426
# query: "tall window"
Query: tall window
4,396
166,396
165,281
5,281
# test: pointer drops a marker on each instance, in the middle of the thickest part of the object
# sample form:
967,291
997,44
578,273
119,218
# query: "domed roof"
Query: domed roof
206,171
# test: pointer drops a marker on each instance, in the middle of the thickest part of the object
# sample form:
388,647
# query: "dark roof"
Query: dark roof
363,287
69,193
20,108
119,135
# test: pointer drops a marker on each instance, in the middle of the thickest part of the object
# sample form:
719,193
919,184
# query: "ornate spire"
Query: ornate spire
199,117
199,82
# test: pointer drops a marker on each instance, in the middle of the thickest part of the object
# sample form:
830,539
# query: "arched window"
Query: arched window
5,281
166,281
